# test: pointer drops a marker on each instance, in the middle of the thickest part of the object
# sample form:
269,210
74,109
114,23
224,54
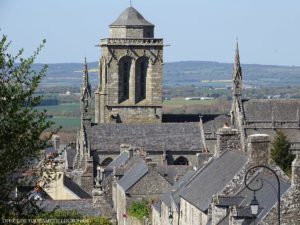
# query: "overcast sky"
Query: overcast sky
267,30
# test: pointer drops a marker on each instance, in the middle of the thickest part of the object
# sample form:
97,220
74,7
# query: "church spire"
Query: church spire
85,92
85,87
237,73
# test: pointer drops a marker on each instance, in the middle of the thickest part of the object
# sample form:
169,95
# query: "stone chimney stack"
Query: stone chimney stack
56,143
259,149
152,167
227,139
296,170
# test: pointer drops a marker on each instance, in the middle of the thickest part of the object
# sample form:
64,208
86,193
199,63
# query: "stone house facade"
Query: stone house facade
147,184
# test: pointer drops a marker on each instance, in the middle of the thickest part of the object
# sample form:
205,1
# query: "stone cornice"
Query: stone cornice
131,41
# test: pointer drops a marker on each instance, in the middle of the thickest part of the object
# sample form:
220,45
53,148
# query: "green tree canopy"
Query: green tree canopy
21,125
139,209
280,152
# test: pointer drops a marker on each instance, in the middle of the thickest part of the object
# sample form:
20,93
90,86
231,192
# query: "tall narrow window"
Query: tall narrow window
124,76
141,78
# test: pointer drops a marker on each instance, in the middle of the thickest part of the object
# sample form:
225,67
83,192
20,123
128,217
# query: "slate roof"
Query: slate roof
82,206
173,195
229,200
150,137
245,212
213,124
173,173
131,17
212,179
119,160
75,188
133,175
262,109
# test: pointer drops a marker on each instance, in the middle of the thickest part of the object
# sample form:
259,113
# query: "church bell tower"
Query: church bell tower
130,72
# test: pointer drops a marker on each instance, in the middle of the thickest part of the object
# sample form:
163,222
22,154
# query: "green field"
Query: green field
67,123
181,101
62,108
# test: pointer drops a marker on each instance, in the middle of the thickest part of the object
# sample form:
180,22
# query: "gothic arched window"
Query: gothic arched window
141,68
124,76
181,161
107,161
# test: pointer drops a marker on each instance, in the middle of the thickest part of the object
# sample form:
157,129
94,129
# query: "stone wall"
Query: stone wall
56,189
136,114
120,204
156,217
296,170
217,213
191,215
165,213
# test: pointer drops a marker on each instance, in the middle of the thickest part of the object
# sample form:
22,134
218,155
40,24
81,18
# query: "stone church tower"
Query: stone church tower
130,72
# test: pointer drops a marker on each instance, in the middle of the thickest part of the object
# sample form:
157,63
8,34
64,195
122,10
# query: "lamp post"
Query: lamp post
254,203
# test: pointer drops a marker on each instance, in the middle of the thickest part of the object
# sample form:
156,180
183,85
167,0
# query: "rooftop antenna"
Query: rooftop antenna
130,3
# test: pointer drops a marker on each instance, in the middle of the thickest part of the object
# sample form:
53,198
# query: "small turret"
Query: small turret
85,93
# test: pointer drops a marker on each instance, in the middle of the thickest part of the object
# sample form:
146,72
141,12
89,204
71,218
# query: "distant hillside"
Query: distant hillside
198,73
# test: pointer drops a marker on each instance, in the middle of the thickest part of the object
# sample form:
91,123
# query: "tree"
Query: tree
280,152
21,125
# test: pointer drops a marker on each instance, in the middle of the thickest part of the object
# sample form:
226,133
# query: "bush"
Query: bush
139,209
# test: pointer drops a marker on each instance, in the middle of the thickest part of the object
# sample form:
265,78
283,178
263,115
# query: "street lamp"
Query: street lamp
254,206
254,203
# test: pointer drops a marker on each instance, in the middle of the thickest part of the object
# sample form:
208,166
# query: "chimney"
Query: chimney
152,166
296,170
124,147
130,151
227,139
56,143
259,149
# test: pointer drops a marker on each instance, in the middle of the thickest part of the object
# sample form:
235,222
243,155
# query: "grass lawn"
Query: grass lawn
67,107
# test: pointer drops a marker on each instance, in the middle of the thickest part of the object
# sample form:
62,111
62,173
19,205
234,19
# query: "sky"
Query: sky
206,30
